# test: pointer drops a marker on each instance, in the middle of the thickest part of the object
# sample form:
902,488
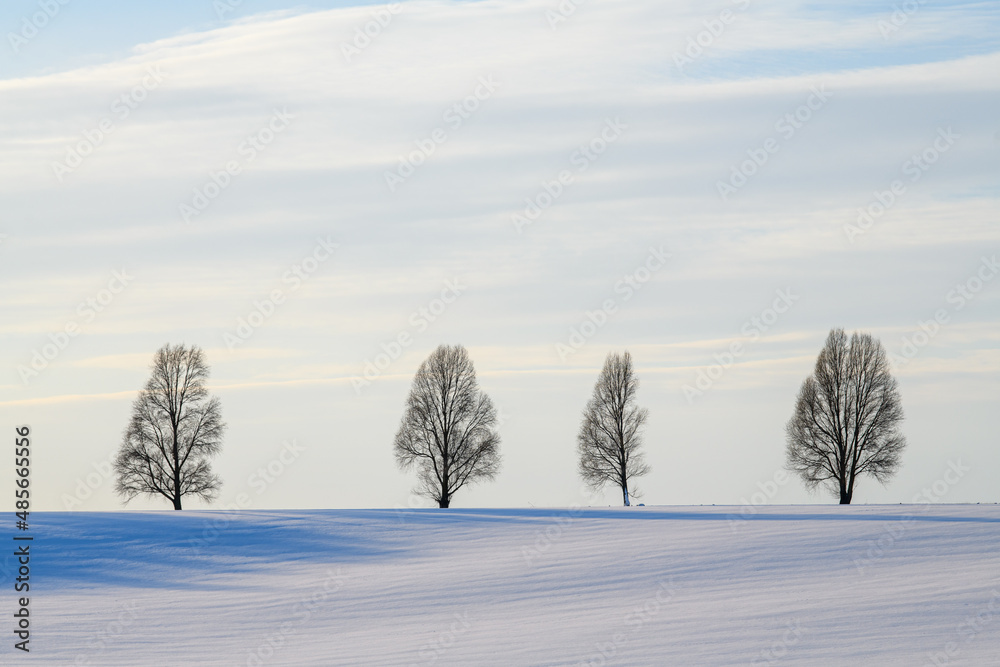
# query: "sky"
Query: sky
296,188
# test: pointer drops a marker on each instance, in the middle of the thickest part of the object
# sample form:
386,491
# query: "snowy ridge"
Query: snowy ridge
802,585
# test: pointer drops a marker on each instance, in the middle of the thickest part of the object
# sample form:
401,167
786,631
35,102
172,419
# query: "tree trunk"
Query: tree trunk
445,498
177,473
624,473
846,489
177,492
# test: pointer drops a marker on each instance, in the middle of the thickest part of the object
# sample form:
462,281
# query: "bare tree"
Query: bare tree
448,431
175,428
610,436
846,417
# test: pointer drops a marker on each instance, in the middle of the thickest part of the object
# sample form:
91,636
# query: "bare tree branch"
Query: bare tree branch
448,430
847,417
610,435
175,429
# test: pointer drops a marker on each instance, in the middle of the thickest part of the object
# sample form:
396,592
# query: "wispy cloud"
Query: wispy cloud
655,185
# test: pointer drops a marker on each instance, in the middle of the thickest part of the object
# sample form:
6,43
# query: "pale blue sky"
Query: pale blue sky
341,123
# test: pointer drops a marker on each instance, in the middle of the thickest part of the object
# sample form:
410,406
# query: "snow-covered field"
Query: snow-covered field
804,585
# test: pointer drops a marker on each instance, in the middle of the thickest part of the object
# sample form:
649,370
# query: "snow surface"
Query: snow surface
804,585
